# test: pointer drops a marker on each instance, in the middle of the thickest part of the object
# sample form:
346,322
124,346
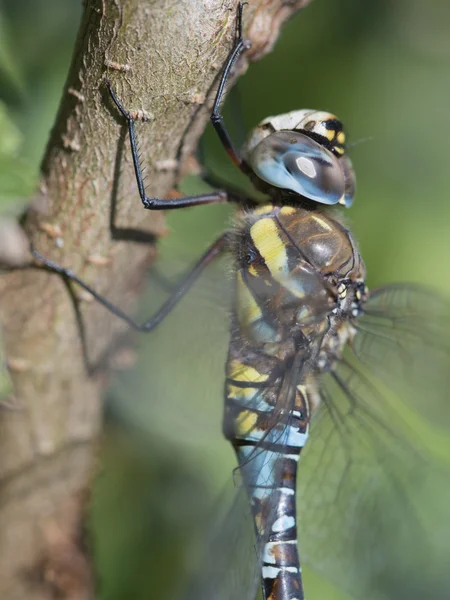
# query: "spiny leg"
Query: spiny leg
212,252
158,203
240,46
217,121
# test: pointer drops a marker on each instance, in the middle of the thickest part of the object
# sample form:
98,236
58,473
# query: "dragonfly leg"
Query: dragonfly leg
216,118
212,252
214,197
235,195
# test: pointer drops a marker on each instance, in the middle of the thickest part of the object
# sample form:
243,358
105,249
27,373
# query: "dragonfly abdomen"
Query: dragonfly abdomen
268,443
294,269
281,576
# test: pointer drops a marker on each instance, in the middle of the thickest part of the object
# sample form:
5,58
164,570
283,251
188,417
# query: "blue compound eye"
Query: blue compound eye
293,161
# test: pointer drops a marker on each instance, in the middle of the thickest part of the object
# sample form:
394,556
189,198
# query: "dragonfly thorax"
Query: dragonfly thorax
341,323
302,152
297,270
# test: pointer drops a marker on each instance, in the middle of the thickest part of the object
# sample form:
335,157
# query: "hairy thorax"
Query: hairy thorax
300,283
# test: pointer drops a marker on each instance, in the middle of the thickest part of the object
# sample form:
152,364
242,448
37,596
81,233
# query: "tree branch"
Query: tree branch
163,57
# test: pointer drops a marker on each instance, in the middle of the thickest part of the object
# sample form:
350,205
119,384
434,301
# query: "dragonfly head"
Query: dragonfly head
304,152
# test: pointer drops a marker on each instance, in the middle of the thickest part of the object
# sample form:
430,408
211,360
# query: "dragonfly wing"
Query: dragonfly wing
405,341
235,550
229,566
374,497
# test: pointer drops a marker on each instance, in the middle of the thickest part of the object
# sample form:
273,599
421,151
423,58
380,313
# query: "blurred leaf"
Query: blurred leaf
9,66
17,176
10,136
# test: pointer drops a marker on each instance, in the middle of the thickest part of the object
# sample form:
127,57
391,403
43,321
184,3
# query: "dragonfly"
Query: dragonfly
312,354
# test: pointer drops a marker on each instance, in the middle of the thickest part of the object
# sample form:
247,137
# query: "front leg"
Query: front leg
215,197
239,47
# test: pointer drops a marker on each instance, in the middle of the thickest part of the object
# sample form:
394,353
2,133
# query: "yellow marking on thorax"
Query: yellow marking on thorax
339,150
322,222
263,210
265,236
330,133
288,210
247,308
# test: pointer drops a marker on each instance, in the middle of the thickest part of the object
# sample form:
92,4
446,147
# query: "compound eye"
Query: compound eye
293,161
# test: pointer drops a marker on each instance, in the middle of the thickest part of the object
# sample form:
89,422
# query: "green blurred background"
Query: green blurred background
383,68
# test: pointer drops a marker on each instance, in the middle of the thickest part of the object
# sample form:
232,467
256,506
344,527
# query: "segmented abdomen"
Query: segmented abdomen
268,443
292,272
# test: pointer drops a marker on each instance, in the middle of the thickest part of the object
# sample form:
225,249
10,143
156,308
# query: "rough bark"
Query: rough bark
163,57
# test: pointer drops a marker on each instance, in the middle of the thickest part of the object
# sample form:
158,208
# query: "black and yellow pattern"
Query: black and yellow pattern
298,277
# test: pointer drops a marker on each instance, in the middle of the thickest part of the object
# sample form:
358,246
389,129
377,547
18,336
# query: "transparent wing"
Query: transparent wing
374,493
228,563
231,563
405,341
